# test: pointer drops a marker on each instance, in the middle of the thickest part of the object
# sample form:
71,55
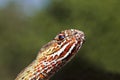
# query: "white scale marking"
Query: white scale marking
67,53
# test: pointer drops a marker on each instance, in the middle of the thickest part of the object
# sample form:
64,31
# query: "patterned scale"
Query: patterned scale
53,55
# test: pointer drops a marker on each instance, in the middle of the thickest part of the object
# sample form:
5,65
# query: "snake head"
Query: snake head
64,45
67,43
64,41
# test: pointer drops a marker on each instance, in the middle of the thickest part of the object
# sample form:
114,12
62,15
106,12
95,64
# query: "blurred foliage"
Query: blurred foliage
21,37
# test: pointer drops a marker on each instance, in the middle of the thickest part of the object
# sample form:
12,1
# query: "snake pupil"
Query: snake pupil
61,37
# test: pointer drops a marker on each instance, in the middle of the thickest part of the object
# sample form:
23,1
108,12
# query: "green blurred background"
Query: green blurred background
26,25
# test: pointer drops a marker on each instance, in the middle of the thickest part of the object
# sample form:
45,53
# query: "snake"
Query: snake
52,56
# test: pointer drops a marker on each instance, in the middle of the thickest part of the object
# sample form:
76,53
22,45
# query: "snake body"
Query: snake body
53,55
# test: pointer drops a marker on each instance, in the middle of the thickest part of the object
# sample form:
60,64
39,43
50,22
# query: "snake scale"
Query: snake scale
53,55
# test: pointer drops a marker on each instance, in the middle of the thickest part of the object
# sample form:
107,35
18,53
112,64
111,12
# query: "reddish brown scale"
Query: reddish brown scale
45,71
49,67
50,59
41,76
58,63
56,57
38,70
43,66
42,59
53,64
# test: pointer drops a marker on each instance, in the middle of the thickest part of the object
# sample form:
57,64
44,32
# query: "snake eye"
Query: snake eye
61,37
